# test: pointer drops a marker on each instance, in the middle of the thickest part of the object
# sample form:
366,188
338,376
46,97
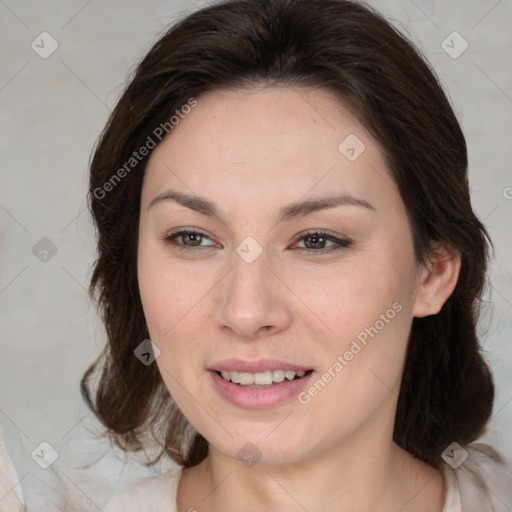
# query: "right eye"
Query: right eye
187,239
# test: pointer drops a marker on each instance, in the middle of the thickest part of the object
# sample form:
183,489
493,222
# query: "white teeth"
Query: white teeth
263,378
260,379
278,375
246,379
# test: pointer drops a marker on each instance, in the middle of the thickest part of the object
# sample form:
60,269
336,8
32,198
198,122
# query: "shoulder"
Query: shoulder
483,482
10,490
152,494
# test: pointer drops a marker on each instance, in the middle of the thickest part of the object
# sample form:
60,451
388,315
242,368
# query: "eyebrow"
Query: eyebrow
293,210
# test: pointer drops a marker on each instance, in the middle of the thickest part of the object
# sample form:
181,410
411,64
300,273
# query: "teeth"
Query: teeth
246,379
278,375
263,378
260,379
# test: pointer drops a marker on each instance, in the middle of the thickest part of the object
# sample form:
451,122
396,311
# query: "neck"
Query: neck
355,476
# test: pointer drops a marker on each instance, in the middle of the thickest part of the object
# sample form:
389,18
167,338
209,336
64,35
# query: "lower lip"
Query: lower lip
259,398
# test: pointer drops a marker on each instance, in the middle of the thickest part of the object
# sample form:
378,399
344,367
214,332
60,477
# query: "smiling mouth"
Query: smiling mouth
261,380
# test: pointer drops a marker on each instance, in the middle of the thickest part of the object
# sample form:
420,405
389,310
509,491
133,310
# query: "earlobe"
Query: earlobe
437,281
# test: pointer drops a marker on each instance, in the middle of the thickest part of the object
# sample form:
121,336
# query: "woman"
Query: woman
282,208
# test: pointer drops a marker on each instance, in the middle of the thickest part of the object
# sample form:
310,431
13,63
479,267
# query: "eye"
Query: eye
187,239
315,242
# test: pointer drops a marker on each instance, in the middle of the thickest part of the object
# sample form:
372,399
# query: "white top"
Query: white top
478,485
11,499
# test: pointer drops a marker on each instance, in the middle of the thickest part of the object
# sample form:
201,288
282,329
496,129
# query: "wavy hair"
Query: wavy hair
447,389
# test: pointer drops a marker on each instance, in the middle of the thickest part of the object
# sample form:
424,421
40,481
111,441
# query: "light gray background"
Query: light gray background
52,111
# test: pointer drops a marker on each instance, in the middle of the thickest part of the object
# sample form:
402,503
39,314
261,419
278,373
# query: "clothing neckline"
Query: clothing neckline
451,499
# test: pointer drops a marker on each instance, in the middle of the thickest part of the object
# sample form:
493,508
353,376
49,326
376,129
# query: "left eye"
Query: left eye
314,242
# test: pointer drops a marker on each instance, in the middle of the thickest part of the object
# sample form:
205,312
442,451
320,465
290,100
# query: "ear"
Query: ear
437,281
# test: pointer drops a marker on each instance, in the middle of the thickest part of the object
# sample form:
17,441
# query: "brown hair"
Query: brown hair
447,390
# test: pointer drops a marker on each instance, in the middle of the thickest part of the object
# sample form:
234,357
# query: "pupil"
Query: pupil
194,238
316,240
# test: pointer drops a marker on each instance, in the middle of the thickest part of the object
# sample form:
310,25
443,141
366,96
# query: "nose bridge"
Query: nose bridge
251,297
248,282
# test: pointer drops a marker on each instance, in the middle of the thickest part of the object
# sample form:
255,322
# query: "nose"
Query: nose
252,301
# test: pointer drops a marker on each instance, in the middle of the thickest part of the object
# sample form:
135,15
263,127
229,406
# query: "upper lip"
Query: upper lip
261,365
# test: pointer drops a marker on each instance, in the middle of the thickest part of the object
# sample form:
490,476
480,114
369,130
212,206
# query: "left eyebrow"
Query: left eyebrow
293,210
302,208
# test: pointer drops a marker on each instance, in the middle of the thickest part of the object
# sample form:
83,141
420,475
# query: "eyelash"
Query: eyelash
341,243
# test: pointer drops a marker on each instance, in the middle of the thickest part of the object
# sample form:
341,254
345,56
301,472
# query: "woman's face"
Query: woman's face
301,260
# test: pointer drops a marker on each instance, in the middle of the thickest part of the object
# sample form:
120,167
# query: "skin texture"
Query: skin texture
251,152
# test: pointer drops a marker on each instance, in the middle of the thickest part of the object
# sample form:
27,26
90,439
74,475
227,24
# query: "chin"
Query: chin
258,447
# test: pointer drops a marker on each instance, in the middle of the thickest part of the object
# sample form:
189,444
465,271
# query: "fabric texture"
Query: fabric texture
11,499
479,484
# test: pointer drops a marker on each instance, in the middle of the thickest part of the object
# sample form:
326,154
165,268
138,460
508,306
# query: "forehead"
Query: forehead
276,143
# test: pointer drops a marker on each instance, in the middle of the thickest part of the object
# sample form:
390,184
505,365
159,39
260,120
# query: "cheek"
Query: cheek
174,301
170,294
364,311
345,299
